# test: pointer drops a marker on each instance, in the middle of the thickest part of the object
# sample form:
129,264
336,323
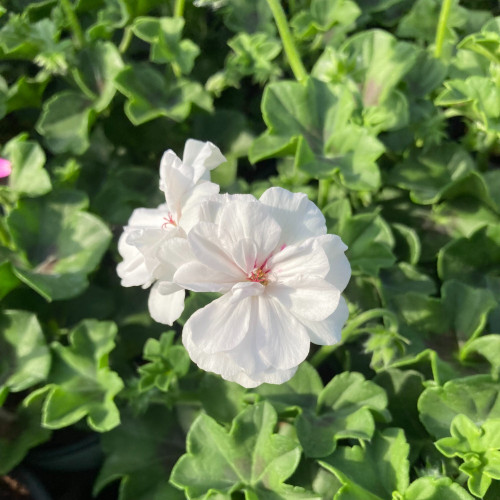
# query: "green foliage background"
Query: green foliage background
385,112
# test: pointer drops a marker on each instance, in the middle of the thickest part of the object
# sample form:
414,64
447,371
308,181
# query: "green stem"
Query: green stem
179,8
323,189
325,351
126,39
73,22
291,51
441,27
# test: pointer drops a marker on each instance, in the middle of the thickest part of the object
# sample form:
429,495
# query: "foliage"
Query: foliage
392,128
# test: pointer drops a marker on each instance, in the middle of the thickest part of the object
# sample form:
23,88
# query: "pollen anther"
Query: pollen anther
168,221
259,276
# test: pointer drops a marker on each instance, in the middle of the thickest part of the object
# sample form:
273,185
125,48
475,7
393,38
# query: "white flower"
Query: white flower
281,277
153,244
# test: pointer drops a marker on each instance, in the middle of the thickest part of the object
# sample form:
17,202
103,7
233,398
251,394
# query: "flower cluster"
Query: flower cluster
280,274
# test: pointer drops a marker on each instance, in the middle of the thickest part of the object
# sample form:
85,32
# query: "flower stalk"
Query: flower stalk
442,26
291,51
179,8
69,12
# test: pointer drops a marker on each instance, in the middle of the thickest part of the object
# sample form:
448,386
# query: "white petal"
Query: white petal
208,248
221,325
172,253
192,200
227,364
198,277
210,208
298,217
202,156
284,341
148,217
304,259
132,270
166,302
328,331
239,220
311,299
340,269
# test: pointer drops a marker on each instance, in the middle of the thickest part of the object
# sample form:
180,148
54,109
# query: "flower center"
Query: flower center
168,220
259,276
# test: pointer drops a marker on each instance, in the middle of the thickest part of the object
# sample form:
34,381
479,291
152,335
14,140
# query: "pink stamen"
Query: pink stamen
5,168
168,220
259,276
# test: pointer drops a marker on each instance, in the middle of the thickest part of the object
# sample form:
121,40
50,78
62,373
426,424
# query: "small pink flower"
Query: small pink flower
5,168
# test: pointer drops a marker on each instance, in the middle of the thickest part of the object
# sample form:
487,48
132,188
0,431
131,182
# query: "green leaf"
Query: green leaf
167,363
313,121
164,34
28,176
97,66
370,240
250,457
150,95
378,62
422,20
25,359
300,391
467,307
372,472
488,347
471,259
476,397
141,453
428,175
479,447
61,243
65,121
344,410
403,389
19,432
432,488
8,280
81,383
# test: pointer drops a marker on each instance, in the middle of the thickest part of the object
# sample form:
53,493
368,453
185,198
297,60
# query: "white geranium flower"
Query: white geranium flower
281,277
161,232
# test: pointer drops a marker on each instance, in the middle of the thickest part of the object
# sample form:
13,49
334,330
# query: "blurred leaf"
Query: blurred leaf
25,356
65,121
81,383
467,307
151,95
141,453
164,34
488,347
97,66
28,177
369,240
476,397
19,432
429,174
60,243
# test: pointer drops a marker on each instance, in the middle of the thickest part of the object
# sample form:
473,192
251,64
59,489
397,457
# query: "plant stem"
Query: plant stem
323,189
441,27
179,8
126,39
291,51
325,351
73,22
